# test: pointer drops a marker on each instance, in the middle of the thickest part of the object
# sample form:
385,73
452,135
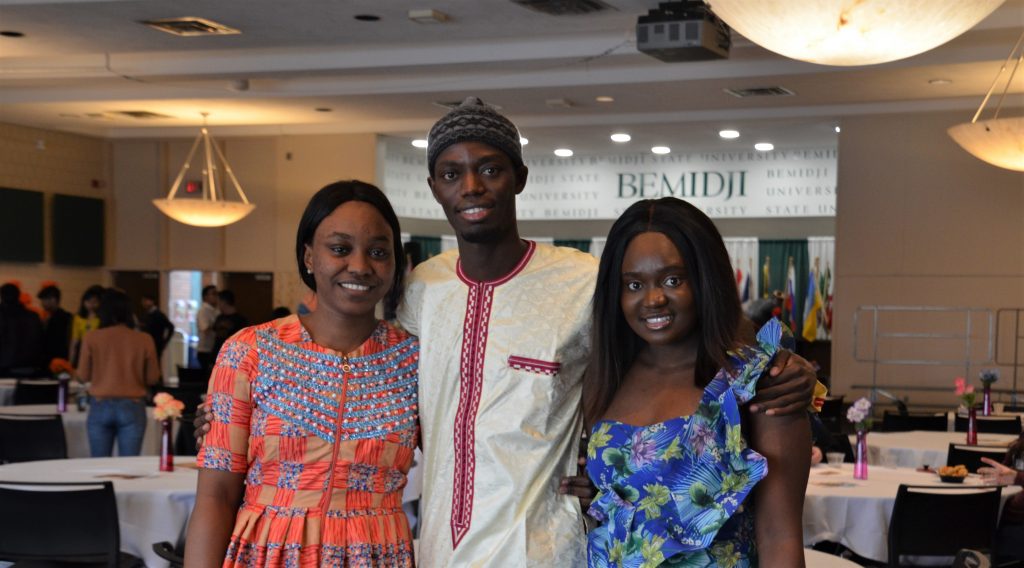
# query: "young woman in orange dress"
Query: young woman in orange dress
315,416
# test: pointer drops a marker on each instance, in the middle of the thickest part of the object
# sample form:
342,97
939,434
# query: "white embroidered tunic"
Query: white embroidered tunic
501,366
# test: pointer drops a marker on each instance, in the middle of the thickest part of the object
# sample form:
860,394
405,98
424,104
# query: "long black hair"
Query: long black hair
614,345
94,291
329,198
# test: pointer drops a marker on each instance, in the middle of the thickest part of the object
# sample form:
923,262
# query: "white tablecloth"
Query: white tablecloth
856,513
918,448
151,508
74,428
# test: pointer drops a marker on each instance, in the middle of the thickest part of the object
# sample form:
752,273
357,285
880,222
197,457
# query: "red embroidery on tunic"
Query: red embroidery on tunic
533,365
471,379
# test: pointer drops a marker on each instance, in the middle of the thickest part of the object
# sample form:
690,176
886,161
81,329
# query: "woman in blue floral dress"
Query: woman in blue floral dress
673,363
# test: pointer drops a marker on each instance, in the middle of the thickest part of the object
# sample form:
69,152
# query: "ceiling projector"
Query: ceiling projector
683,31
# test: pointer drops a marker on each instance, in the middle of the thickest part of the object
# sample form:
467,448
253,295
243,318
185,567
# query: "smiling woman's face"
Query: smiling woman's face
657,301
352,259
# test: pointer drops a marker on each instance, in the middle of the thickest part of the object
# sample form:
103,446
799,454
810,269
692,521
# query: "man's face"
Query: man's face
211,297
49,304
477,184
147,304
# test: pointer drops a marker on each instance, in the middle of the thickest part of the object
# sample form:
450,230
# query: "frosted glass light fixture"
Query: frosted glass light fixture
849,32
998,141
212,209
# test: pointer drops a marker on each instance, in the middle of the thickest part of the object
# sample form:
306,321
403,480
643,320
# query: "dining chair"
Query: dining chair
931,422
35,391
831,413
30,437
970,456
61,522
990,424
190,376
929,520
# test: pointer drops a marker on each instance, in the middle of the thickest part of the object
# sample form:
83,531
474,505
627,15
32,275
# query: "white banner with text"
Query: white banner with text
790,182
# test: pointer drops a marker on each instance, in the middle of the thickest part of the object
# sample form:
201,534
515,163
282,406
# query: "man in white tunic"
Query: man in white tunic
503,324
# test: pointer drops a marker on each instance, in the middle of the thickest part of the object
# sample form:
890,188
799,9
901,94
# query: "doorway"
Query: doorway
136,284
254,294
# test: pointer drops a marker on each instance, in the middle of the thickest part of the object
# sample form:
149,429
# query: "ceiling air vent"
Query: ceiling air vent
564,7
140,114
760,92
190,27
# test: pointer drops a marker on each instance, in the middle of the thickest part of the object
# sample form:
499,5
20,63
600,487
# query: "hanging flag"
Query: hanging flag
739,282
766,278
789,299
828,291
745,291
812,305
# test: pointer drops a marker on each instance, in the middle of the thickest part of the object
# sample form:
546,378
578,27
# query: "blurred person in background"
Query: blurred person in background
21,335
119,362
229,322
56,327
86,320
155,323
204,323
1010,537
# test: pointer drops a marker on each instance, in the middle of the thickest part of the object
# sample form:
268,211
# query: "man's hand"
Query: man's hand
579,486
787,388
202,423
998,474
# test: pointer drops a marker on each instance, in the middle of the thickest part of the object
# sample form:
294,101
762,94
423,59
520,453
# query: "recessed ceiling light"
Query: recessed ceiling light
729,134
661,149
323,109
939,81
605,99
419,143
11,33
563,152
764,146
837,129
621,137
367,17
524,141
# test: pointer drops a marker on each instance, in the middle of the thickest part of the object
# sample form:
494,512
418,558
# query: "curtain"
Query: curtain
777,252
429,246
580,244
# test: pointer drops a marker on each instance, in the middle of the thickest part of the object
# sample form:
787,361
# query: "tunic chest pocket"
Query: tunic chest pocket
549,368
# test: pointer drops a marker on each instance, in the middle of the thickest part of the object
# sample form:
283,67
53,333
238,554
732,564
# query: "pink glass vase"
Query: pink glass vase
63,382
860,463
166,453
972,426
986,400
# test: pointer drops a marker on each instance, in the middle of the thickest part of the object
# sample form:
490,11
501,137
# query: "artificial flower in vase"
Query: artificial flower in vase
968,398
167,409
61,370
860,415
987,376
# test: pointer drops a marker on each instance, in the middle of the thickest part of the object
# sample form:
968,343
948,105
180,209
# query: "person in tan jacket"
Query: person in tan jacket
119,362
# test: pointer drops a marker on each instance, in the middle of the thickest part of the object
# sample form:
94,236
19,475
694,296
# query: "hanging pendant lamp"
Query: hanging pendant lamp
212,210
998,141
851,32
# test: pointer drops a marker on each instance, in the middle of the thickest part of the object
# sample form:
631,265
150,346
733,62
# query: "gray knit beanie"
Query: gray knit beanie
474,121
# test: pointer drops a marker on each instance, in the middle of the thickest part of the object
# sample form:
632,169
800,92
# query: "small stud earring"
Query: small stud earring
309,271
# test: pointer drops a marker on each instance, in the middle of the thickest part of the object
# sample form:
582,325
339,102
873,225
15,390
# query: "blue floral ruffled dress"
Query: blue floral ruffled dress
671,494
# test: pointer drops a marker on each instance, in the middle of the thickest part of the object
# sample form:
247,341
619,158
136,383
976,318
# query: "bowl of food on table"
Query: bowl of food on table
953,473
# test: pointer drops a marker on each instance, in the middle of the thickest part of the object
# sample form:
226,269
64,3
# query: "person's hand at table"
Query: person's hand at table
816,456
998,474
787,387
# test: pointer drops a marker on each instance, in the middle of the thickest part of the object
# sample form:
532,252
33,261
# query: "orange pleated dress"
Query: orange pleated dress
325,441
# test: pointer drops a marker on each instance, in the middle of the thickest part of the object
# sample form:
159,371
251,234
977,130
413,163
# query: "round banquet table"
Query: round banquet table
917,448
818,559
74,428
856,513
7,386
152,506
